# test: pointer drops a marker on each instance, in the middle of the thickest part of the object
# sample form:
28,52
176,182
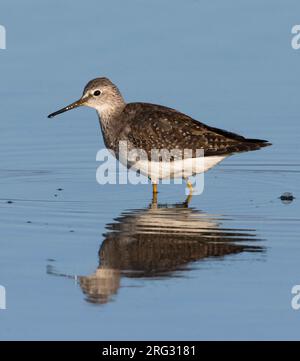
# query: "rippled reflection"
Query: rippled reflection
159,241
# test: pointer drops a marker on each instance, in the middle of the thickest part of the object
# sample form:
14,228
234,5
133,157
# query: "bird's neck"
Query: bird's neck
109,122
109,112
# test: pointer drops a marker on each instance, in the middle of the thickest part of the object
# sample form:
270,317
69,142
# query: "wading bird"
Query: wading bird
155,127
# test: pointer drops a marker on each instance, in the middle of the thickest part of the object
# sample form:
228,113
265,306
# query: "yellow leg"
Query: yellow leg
154,196
154,188
190,187
188,200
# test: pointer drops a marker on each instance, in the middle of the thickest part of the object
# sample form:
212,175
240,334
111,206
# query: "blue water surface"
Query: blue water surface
84,261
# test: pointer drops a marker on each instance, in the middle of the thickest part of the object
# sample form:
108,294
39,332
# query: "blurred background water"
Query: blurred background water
84,261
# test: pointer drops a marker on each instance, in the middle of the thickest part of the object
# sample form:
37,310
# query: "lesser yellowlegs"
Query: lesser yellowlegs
148,126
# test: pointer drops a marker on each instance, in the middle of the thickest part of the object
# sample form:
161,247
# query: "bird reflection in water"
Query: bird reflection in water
157,242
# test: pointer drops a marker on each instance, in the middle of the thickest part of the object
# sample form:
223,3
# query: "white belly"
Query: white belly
177,169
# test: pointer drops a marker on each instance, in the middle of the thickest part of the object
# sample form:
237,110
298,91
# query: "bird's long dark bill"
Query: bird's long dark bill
76,104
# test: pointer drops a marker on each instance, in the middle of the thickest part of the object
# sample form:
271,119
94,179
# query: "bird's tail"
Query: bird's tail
258,143
248,145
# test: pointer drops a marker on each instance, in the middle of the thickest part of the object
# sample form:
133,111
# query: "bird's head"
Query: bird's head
100,94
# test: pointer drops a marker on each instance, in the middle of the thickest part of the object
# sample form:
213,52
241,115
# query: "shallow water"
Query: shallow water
84,261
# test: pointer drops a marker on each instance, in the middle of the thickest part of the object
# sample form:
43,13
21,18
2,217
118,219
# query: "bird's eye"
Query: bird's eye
97,93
